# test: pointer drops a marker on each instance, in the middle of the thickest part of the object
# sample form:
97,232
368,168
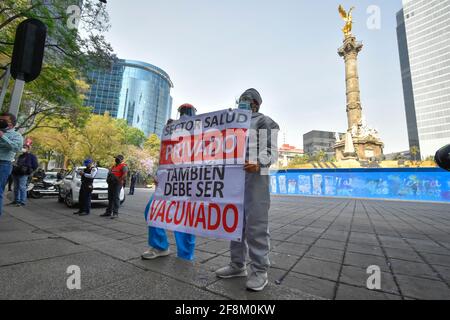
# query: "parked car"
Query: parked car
69,189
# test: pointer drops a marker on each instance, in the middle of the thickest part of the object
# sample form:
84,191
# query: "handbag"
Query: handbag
21,170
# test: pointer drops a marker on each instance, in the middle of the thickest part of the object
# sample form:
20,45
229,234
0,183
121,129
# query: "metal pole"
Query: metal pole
5,85
16,96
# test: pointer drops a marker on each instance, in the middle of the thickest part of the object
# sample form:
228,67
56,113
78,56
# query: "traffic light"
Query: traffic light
28,53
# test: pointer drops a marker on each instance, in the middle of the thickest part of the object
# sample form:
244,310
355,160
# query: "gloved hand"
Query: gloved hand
251,167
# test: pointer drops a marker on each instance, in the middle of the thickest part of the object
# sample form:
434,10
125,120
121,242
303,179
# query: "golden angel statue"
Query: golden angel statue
347,17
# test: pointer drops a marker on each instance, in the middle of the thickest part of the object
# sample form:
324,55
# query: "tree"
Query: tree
298,161
74,40
139,160
101,138
152,146
70,52
321,156
132,136
51,140
415,151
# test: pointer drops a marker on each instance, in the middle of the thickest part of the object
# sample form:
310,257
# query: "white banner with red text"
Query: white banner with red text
201,180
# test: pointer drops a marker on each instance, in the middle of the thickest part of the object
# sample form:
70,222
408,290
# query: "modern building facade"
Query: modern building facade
132,90
423,33
316,141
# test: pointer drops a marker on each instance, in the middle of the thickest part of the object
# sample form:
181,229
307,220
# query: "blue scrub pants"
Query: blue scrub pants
157,238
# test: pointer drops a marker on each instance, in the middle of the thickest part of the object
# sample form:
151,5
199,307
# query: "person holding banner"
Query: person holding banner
157,237
261,154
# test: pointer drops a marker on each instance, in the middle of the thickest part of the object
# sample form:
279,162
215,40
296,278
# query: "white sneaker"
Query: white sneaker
257,281
231,271
153,253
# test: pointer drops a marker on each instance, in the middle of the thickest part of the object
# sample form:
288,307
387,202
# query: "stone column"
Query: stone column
349,51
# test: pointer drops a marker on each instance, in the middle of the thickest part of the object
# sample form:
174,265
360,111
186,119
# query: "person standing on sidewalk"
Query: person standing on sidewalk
133,180
116,181
11,142
157,237
25,165
87,186
255,233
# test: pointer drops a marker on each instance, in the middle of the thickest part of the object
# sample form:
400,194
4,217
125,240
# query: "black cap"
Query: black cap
120,157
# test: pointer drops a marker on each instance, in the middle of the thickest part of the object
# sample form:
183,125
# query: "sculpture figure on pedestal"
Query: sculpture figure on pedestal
347,17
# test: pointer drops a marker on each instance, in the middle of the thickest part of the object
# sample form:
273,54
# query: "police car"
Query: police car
69,189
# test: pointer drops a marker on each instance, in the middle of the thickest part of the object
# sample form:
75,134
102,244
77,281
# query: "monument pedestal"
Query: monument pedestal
365,149
364,141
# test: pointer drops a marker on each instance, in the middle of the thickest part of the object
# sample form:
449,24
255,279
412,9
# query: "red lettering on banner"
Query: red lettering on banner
178,221
196,215
201,216
161,210
154,208
210,145
189,214
235,218
217,224
173,203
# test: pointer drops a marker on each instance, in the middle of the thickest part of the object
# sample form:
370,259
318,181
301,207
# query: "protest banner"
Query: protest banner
201,180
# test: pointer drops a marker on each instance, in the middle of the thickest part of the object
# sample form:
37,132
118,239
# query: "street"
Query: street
321,248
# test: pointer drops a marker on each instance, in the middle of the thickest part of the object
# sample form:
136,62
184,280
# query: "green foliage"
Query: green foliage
59,91
152,146
298,161
414,152
132,136
100,138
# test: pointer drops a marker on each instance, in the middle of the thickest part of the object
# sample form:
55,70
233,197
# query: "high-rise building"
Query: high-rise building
132,90
316,141
423,32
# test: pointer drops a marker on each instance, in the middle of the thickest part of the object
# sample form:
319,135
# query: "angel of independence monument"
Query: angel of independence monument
360,142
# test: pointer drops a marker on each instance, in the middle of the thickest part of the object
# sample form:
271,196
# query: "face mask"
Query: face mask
24,150
245,105
3,124
187,112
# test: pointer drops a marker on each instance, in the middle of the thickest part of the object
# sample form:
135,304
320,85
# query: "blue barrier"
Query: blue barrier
418,184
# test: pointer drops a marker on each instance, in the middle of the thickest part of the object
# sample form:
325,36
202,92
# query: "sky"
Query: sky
213,50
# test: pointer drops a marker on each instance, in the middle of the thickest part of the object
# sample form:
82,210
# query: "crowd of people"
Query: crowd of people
256,240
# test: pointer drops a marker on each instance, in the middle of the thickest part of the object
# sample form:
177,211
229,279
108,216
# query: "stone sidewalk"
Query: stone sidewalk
320,248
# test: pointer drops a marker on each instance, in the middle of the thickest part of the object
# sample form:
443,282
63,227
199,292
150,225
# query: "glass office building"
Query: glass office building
132,90
423,33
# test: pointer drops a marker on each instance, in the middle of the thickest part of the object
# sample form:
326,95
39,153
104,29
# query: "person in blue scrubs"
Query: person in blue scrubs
157,237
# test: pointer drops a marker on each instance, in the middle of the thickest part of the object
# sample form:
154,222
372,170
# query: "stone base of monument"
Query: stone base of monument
364,149
350,162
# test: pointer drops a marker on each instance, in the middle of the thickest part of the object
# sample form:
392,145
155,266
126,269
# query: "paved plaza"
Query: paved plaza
321,248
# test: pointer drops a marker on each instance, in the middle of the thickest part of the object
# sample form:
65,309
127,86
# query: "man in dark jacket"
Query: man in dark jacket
133,181
25,165
87,186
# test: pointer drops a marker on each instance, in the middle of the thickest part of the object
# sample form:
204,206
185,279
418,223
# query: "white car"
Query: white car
69,189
